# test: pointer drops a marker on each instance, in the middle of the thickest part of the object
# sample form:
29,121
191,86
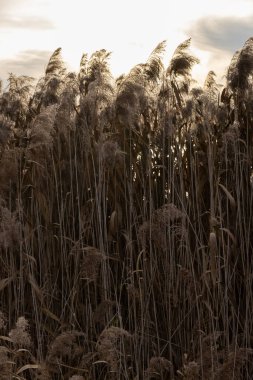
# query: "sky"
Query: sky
30,30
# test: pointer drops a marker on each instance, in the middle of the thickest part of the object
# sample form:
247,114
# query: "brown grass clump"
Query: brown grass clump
20,335
233,364
9,228
43,373
157,228
111,155
190,371
2,321
5,364
41,133
159,368
6,129
90,261
113,347
64,348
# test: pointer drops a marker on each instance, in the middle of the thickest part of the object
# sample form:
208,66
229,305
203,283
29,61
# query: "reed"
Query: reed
126,222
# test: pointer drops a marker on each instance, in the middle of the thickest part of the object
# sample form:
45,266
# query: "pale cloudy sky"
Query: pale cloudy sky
30,30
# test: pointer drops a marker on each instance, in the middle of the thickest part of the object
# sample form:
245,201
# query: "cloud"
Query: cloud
21,14
7,3
221,37
28,62
224,34
10,22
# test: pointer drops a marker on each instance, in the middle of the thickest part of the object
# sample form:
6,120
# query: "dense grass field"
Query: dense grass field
126,225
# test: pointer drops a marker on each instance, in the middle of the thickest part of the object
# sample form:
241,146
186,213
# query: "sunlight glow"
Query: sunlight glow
130,30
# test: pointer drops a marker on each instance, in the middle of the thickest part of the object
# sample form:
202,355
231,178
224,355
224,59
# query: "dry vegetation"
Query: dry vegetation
126,224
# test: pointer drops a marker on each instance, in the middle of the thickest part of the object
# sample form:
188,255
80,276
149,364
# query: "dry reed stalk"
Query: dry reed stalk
213,256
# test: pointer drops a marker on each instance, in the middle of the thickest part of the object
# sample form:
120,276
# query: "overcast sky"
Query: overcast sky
30,30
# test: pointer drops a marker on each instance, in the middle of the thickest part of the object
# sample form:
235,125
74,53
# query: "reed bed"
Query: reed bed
126,222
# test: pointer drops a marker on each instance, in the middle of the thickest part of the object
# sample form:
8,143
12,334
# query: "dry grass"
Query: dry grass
126,222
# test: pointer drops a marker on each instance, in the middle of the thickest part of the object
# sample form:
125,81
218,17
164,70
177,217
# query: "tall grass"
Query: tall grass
126,222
